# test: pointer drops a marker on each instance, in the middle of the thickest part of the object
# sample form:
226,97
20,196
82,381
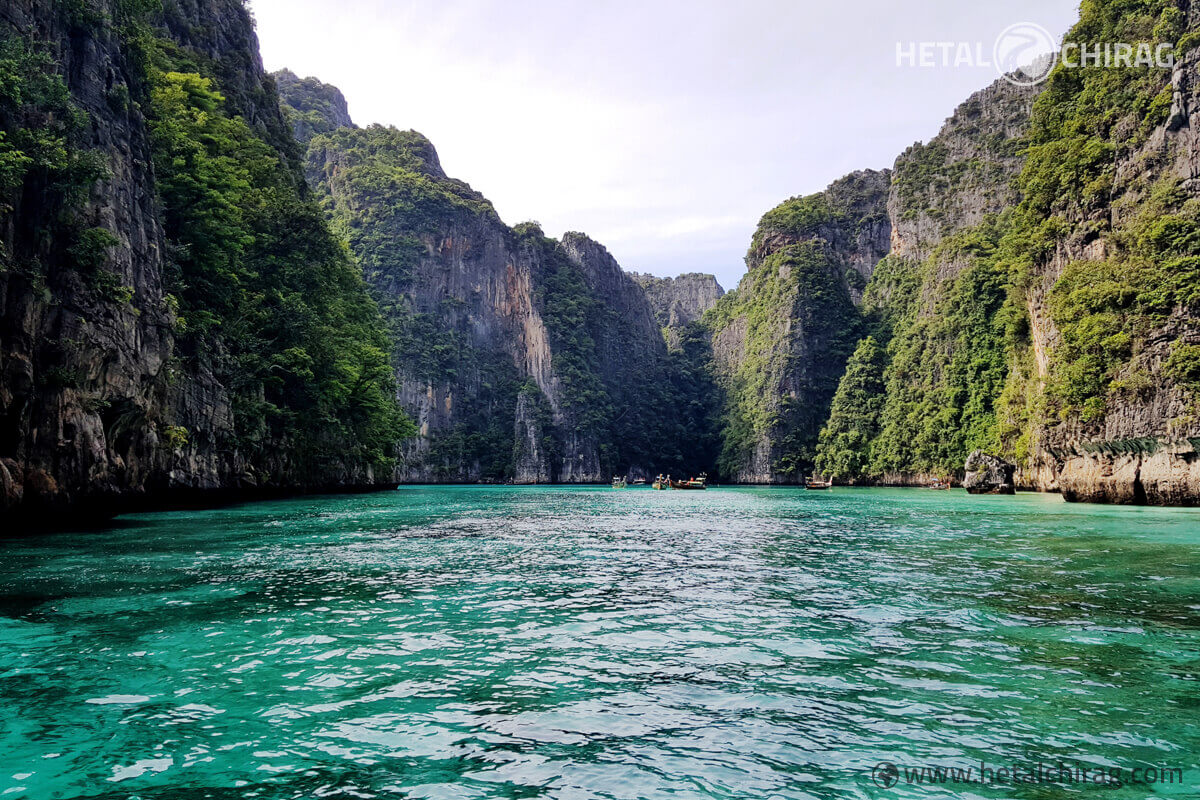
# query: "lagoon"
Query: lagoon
480,642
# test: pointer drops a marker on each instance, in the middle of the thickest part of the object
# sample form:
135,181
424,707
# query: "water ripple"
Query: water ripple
580,643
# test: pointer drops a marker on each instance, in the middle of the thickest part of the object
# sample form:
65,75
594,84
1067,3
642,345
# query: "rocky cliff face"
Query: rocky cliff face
632,363
72,363
781,340
458,298
218,40
313,107
98,404
520,357
1113,355
1037,300
965,173
922,394
178,316
679,302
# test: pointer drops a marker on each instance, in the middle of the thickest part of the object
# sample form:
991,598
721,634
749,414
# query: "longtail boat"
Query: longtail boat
816,483
620,483
695,484
660,484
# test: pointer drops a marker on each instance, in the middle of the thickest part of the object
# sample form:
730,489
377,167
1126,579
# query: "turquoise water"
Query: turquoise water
590,643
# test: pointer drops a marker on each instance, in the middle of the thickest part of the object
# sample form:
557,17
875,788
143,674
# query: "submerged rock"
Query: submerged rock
988,474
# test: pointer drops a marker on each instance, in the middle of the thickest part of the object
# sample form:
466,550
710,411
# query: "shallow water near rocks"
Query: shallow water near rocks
589,643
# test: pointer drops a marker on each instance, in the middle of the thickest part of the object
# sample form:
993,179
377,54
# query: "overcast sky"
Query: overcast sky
662,128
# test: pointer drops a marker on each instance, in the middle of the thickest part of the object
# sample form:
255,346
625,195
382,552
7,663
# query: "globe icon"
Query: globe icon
1025,54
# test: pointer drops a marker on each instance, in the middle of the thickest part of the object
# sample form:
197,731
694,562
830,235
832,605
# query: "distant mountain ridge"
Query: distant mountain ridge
681,301
521,358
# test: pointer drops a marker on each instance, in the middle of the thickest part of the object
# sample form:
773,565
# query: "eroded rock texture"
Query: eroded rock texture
98,405
521,358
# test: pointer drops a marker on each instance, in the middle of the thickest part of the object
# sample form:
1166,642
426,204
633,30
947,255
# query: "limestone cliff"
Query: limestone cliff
679,302
922,394
781,340
1039,299
73,364
1113,354
521,358
633,366
458,300
180,318
312,107
962,175
103,398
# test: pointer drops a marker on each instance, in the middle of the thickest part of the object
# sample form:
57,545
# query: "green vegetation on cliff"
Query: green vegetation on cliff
854,416
947,362
573,318
941,316
37,119
390,186
385,193
1086,123
646,408
388,198
770,393
452,281
784,336
482,439
312,108
42,150
694,415
176,308
1105,310
959,372
265,293
943,334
